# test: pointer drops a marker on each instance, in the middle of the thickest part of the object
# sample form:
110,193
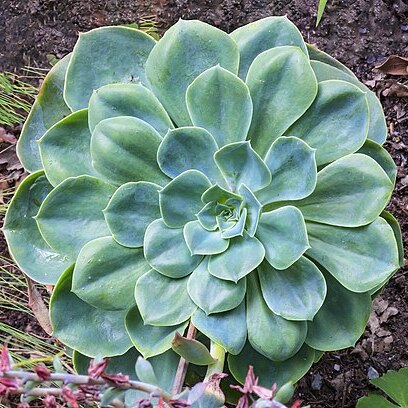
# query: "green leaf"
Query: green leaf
167,252
296,293
91,331
271,335
186,50
163,301
350,192
219,295
393,222
207,216
240,164
180,200
65,148
336,123
341,320
188,148
150,340
134,100
144,371
270,372
227,329
292,164
192,350
203,242
49,108
25,243
263,34
105,274
374,400
217,100
236,230
320,11
394,384
282,86
254,208
104,56
124,149
359,258
243,255
131,209
283,234
219,195
71,215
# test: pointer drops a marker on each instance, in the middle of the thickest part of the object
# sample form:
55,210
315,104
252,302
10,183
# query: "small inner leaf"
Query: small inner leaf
192,350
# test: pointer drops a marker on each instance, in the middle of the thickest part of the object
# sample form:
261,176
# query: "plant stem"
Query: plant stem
218,353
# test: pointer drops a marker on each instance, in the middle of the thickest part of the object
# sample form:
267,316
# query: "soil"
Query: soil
359,33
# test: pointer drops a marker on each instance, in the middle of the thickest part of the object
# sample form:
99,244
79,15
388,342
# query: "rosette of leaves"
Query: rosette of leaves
235,181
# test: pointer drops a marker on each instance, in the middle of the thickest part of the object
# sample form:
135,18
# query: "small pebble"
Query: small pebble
372,373
363,30
336,367
404,27
317,382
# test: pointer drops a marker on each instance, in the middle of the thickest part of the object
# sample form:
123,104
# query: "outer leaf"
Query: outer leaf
283,235
131,209
359,258
375,400
192,350
219,101
271,372
393,222
186,50
350,192
227,329
254,208
263,34
49,108
71,215
282,86
219,295
93,332
104,56
124,149
65,148
276,338
105,274
188,148
341,320
150,340
242,257
393,383
134,100
26,245
144,371
167,252
240,164
163,301
336,123
296,293
293,166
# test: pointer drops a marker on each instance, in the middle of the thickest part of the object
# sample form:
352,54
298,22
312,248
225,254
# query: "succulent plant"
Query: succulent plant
235,181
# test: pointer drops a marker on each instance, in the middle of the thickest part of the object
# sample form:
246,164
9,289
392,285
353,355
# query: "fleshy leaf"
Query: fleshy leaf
271,335
227,329
192,350
350,192
104,56
150,340
219,295
254,208
65,148
131,209
360,258
336,123
105,274
134,100
28,248
81,326
283,234
219,101
218,194
293,167
188,148
186,50
238,229
207,216
240,164
375,400
124,149
263,34
167,252
392,383
393,222
49,108
341,320
282,86
243,255
203,242
145,371
296,293
71,215
163,301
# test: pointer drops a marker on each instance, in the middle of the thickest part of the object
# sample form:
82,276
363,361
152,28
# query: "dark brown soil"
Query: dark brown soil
359,33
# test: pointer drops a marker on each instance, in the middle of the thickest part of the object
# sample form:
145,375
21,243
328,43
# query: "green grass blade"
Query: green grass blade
320,11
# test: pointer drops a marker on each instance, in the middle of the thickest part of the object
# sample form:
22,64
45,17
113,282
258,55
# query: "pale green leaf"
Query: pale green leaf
237,230
254,208
144,371
207,216
218,194
393,222
393,383
192,350
375,400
